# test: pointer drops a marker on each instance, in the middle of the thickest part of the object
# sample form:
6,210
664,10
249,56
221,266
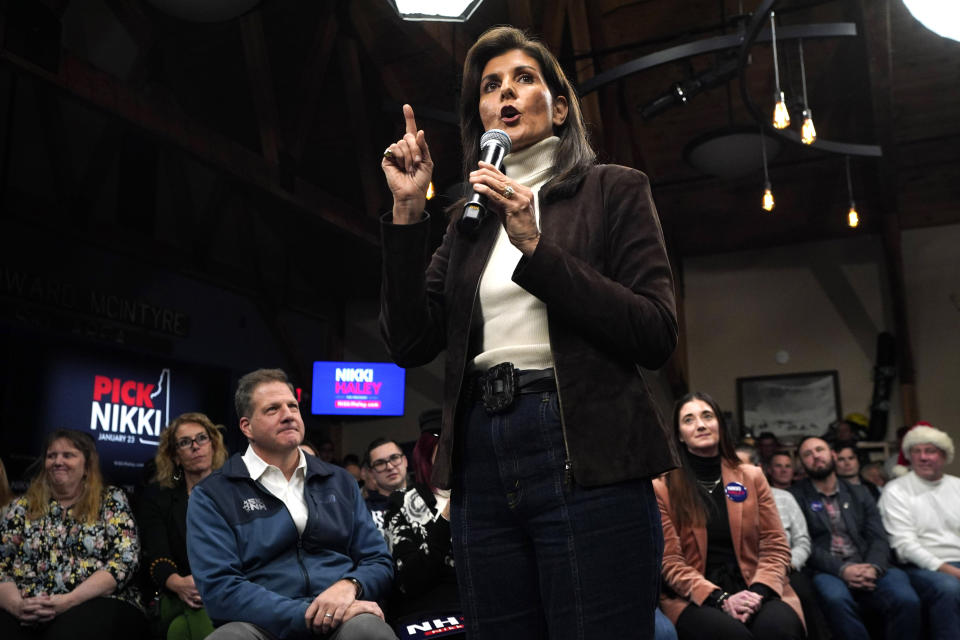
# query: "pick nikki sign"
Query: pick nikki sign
130,410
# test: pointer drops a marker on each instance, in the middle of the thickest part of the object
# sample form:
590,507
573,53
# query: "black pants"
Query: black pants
96,619
775,621
817,627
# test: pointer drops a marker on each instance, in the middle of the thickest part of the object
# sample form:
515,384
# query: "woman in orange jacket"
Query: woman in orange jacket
725,557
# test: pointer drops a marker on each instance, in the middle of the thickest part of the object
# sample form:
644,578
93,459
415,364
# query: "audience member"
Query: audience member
69,551
190,448
795,526
280,543
387,473
6,495
780,471
351,464
767,445
417,529
307,447
873,472
850,557
327,452
921,512
848,467
725,554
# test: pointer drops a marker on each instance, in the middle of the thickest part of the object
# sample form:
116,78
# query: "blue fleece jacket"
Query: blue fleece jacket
250,564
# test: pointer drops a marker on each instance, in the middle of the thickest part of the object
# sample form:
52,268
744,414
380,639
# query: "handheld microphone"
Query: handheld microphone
494,145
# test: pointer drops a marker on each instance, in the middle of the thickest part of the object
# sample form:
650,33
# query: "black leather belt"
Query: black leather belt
498,387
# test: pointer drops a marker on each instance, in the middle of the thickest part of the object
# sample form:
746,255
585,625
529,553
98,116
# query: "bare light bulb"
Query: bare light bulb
767,198
853,218
808,133
781,117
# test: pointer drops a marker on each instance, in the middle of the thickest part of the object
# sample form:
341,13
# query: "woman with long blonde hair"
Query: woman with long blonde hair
69,551
190,448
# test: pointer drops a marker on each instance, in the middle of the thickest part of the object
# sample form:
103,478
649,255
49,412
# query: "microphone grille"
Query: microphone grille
496,136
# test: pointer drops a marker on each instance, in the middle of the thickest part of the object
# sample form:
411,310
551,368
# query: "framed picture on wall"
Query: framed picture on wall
790,406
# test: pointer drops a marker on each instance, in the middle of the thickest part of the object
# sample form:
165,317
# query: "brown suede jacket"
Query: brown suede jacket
602,270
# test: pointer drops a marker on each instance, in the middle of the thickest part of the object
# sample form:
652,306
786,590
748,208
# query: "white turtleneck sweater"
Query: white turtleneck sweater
923,519
515,321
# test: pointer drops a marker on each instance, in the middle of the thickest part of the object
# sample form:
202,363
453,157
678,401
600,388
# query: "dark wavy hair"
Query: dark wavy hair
574,155
686,502
423,458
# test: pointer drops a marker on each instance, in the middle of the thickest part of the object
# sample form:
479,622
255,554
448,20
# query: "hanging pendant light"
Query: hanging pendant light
781,116
808,133
767,202
853,218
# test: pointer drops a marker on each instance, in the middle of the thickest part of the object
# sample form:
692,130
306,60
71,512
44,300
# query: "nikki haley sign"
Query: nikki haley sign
357,388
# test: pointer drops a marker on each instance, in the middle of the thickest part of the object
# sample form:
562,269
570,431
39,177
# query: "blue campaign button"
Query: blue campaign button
816,505
735,491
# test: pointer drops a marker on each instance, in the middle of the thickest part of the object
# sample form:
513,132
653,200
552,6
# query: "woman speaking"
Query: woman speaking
546,311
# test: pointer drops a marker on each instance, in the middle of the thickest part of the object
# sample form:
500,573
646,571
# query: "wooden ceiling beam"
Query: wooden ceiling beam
374,47
521,15
311,80
554,14
261,85
877,35
100,161
371,177
140,28
82,81
58,152
580,35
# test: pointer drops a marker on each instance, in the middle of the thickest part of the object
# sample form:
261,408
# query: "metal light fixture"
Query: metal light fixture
768,203
808,133
853,218
781,116
435,10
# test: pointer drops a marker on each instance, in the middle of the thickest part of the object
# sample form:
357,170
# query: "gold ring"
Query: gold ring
508,192
328,615
387,154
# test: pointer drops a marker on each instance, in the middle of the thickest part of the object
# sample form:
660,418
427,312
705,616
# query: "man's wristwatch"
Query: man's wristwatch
357,585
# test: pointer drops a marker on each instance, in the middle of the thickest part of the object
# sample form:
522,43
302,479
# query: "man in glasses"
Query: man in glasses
281,544
388,470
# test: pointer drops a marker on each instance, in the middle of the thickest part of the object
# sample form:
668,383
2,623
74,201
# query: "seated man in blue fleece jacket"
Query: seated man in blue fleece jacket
281,545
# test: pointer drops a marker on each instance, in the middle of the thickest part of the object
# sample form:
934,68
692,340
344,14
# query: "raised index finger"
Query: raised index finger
409,119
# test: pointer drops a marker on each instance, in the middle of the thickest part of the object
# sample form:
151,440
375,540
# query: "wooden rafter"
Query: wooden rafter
371,178
261,85
876,16
521,16
102,91
580,34
311,80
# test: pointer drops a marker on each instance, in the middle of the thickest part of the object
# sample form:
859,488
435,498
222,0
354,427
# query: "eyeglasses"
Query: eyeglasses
200,439
380,465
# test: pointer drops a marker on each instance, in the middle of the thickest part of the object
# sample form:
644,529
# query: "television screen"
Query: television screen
357,388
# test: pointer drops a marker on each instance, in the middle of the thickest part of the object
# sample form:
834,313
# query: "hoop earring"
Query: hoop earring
178,473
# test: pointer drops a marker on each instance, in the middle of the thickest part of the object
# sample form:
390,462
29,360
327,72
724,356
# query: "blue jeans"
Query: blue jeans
663,629
893,597
538,556
940,594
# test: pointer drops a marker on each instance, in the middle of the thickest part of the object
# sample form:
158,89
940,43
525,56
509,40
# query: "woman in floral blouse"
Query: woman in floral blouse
68,552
